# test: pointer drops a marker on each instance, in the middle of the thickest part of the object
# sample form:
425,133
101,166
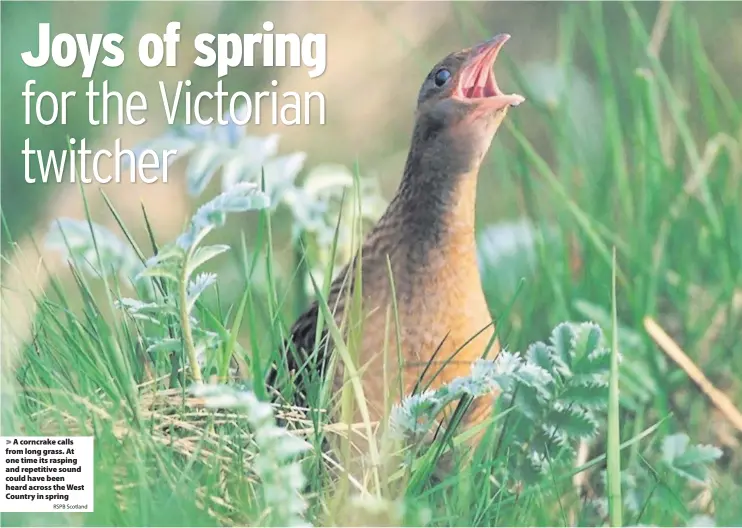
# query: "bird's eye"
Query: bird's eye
441,77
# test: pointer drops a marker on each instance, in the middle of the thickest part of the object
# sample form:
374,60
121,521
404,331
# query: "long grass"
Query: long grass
663,189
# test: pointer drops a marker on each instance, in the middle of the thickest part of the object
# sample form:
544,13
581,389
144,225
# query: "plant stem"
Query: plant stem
613,451
185,320
300,283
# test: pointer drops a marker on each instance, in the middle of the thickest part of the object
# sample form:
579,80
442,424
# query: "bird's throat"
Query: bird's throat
436,199
440,212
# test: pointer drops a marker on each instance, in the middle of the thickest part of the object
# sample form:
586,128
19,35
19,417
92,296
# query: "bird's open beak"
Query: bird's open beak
476,78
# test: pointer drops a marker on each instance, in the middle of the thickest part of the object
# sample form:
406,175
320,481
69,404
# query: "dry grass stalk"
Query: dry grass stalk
720,400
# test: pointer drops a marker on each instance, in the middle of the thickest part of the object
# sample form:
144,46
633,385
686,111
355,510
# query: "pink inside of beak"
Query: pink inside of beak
476,79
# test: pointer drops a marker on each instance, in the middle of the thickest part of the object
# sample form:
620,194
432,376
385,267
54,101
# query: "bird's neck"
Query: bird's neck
436,199
434,207
427,231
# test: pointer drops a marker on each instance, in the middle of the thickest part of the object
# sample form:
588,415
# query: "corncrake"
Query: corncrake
558,390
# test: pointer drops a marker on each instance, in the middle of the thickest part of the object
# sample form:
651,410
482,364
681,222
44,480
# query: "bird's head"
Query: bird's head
461,95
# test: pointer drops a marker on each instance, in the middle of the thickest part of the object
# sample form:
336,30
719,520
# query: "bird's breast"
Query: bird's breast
437,325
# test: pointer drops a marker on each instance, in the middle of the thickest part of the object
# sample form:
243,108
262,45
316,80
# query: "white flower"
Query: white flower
507,364
414,415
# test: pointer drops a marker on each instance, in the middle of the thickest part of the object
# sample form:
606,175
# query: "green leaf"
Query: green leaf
689,461
146,319
204,254
158,271
241,197
628,338
547,440
693,464
596,364
197,286
540,354
528,403
563,344
165,346
202,166
280,174
240,169
587,340
694,472
534,376
593,395
699,454
573,422
207,338
673,446
166,254
133,306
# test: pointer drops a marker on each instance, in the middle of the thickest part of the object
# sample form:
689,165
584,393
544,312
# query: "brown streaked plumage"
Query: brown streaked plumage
426,236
